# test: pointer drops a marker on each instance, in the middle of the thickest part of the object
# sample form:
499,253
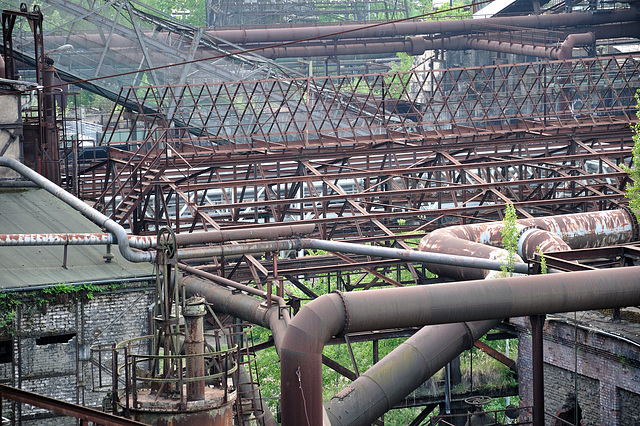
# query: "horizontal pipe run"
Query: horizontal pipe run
230,250
319,320
561,232
71,239
269,233
409,28
410,255
87,211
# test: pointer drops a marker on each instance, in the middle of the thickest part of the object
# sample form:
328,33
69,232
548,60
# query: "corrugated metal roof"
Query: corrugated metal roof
31,210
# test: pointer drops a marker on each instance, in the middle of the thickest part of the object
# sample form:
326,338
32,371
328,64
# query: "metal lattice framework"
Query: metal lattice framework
233,12
368,157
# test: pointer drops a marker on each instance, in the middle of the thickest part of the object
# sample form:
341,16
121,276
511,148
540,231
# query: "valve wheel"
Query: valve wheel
478,400
167,241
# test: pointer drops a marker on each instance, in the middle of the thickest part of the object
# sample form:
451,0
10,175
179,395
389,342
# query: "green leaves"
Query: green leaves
633,187
509,240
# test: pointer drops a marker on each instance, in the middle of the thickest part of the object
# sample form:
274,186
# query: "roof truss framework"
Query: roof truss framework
368,157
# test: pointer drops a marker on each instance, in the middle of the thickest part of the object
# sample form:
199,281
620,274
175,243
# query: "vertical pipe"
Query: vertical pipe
194,345
537,322
447,388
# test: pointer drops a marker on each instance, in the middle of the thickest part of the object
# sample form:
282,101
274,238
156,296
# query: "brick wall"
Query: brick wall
51,345
608,366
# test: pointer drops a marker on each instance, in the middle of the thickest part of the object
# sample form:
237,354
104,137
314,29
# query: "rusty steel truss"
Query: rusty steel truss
370,158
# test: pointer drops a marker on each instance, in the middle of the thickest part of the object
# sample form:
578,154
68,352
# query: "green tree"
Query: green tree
633,187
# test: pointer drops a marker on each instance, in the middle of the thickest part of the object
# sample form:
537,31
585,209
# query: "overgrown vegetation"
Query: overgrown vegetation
509,240
633,187
40,299
543,261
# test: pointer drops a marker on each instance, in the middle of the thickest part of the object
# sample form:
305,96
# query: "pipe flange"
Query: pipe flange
522,236
345,329
469,334
634,223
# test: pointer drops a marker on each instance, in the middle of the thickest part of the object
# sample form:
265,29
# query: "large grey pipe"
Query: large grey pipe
408,366
240,305
318,321
87,211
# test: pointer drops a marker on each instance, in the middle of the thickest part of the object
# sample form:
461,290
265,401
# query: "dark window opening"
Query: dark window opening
60,338
6,351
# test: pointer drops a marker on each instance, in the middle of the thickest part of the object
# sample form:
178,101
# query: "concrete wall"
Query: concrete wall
51,345
608,367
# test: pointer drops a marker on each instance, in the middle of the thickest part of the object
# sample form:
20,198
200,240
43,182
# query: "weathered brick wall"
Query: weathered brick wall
63,369
608,367
629,408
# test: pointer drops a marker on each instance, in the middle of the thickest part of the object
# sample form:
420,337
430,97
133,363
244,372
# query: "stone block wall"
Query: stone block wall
52,341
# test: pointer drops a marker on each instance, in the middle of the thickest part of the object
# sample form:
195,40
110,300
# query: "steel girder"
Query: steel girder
368,157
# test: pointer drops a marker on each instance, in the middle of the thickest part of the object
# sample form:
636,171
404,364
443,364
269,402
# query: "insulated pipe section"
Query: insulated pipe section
408,28
338,313
533,240
86,210
407,367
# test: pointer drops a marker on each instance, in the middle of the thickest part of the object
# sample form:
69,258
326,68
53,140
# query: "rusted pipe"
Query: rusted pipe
566,49
575,231
334,314
268,233
418,45
239,305
230,250
193,314
408,28
87,211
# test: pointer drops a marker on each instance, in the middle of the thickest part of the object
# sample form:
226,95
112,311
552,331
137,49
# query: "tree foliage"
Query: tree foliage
633,187
509,240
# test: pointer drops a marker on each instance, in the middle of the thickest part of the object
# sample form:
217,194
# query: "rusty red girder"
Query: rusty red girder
367,157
